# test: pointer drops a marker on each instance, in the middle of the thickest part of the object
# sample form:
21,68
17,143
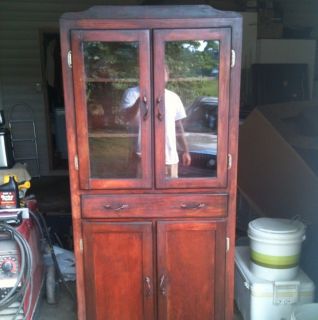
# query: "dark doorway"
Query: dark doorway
53,97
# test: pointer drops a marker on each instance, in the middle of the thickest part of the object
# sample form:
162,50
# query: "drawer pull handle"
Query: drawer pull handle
120,207
147,286
192,205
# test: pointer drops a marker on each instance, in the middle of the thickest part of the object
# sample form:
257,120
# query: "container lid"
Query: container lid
272,228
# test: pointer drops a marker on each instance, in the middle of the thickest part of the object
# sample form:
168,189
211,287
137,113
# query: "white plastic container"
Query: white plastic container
260,299
306,312
275,246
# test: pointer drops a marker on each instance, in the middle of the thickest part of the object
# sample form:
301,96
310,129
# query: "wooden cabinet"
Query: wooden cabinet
121,277
191,258
119,270
152,97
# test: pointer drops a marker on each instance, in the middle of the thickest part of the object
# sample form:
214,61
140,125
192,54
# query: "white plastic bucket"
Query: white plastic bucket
275,246
305,312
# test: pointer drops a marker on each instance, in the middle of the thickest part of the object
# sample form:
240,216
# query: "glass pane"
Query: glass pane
191,113
112,79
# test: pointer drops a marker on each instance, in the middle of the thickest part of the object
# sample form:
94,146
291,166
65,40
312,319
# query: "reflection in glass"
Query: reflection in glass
193,76
111,68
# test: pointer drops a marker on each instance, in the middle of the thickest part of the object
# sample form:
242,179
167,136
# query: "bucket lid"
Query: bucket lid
272,228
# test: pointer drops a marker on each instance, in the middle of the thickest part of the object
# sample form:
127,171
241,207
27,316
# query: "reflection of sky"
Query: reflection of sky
201,48
202,45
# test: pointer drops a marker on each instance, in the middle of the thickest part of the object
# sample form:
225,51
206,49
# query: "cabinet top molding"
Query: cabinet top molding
150,12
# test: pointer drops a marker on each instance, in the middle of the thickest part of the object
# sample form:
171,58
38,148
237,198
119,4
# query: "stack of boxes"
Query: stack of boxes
268,281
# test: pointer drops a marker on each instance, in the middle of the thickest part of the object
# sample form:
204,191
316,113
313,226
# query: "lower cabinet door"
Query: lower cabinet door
118,270
191,270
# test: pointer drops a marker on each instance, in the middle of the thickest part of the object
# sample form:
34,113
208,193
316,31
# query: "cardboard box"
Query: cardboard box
259,299
278,149
278,168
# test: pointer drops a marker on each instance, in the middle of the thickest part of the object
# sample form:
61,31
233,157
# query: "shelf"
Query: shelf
103,134
97,79
185,79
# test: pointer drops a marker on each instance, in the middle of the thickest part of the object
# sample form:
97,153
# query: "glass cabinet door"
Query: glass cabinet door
192,72
112,103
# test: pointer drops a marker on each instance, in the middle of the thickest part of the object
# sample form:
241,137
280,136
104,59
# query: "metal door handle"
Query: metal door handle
146,114
159,113
162,285
147,283
117,208
192,205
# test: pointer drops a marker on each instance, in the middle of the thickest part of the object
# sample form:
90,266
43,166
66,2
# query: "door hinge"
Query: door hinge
233,58
76,162
81,247
69,59
229,161
227,244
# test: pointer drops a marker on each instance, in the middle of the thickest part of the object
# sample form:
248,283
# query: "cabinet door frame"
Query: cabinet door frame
145,229
77,39
163,276
160,37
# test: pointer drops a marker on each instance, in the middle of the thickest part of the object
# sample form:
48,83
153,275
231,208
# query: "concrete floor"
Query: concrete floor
64,309
53,197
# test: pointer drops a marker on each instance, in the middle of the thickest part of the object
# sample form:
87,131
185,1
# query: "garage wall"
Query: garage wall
303,14
300,13
20,65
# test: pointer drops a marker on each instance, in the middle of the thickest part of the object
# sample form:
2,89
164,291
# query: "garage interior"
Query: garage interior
278,141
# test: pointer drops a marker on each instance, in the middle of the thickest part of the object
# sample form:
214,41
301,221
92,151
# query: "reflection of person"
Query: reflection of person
174,113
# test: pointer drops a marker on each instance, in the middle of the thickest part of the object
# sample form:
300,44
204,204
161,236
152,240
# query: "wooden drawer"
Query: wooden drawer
204,205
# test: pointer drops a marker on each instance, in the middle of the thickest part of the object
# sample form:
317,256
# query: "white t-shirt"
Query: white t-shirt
174,111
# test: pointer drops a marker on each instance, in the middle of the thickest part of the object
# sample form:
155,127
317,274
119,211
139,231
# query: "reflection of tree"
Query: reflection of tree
111,59
190,90
112,67
191,64
192,58
108,65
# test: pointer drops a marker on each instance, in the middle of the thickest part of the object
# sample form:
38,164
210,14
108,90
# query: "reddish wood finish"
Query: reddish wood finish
119,270
191,258
142,37
160,37
130,206
233,146
153,236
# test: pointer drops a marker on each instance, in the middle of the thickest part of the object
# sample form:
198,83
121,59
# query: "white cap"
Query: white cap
276,229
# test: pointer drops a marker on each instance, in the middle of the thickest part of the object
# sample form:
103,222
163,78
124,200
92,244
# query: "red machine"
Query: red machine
21,267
